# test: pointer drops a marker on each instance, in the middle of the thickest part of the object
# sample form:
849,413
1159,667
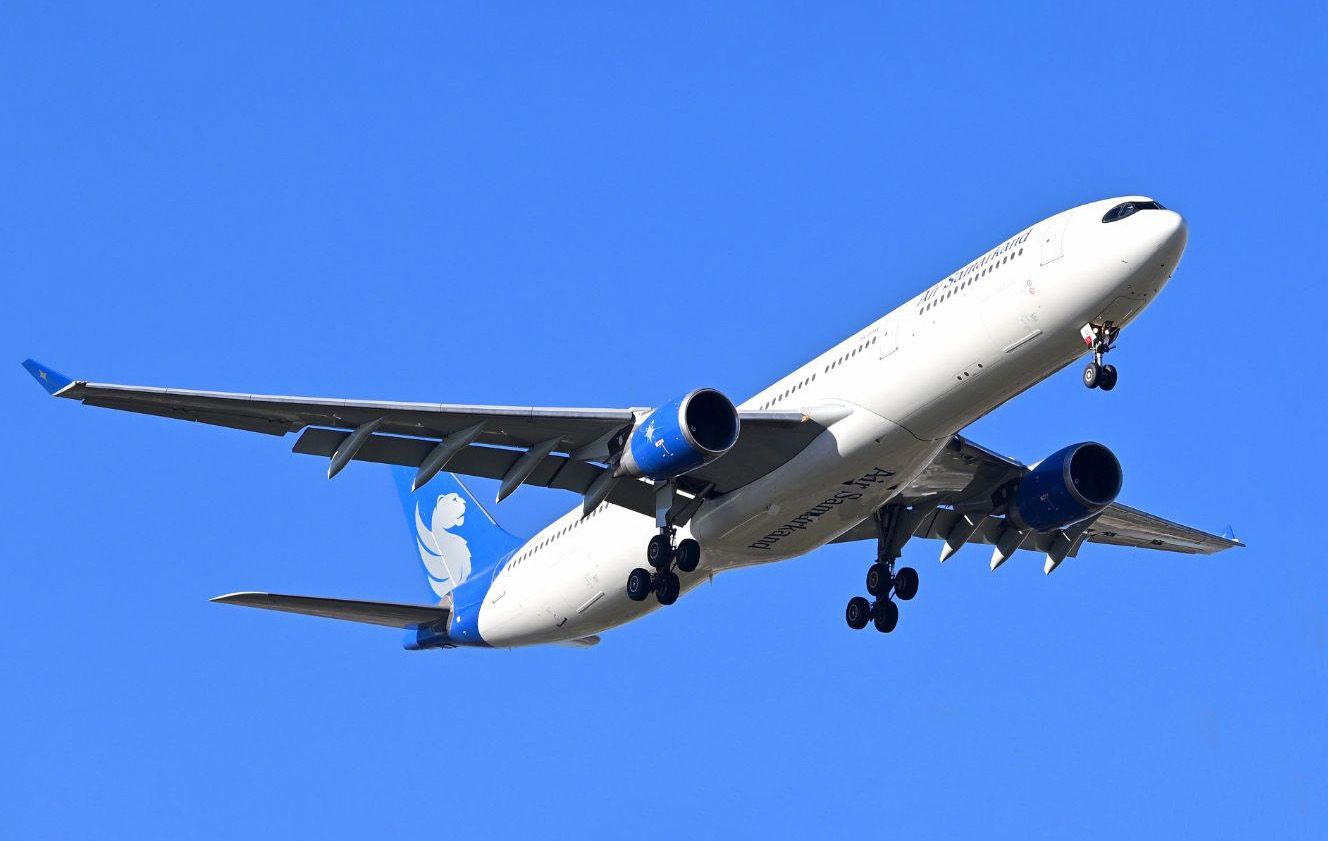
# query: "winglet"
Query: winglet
50,379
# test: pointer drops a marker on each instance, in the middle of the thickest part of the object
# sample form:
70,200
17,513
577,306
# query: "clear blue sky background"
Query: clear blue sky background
582,206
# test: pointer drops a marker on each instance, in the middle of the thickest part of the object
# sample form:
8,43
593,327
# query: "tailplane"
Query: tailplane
455,537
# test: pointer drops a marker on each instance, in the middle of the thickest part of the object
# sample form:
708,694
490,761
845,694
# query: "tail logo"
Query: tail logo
446,555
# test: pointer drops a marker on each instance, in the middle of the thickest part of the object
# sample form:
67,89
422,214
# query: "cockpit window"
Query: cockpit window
1129,208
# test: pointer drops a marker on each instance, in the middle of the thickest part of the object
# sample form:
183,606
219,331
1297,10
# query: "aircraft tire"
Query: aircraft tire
906,583
1108,378
1092,374
667,587
887,616
658,552
858,613
639,584
878,579
688,555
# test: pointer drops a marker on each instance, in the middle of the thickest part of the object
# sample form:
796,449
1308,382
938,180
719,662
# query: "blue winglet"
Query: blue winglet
48,378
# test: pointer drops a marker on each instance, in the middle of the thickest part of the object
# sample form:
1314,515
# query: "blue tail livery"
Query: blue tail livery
456,539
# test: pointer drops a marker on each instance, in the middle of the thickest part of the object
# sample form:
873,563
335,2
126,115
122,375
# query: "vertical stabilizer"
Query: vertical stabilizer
455,537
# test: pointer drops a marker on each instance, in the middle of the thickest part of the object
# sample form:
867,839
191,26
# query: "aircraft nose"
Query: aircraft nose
1169,234
1174,232
1130,246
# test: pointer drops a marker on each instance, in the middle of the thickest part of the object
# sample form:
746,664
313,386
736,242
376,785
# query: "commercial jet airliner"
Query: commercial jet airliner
861,443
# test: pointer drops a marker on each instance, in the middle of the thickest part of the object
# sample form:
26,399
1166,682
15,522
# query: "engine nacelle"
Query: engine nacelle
1068,486
681,435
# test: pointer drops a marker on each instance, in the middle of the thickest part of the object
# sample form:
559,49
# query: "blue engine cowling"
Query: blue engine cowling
1068,486
681,435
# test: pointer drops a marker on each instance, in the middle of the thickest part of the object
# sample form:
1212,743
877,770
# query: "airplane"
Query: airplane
861,443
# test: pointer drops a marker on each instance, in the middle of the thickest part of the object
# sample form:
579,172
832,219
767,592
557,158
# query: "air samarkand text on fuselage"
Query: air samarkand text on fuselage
977,265
877,477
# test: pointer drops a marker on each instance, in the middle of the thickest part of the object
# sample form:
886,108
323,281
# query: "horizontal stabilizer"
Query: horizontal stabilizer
375,613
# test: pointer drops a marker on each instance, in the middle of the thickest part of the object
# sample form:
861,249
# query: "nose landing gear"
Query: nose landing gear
885,583
1101,339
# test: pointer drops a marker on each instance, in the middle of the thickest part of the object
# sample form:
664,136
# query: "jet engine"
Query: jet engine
1068,486
681,435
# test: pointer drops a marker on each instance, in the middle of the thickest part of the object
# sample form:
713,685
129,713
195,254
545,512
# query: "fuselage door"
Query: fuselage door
887,337
1053,238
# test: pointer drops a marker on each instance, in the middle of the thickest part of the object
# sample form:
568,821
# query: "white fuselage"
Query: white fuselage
890,396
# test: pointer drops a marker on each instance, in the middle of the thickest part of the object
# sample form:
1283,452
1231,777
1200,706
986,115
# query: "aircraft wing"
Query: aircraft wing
568,446
1118,525
953,498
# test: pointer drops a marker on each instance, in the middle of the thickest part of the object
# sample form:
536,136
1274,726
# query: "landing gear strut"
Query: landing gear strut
1101,339
663,556
885,583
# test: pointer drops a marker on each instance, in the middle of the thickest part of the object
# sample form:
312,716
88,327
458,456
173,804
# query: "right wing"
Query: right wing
1118,525
953,500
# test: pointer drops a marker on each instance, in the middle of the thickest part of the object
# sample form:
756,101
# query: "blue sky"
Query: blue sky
587,206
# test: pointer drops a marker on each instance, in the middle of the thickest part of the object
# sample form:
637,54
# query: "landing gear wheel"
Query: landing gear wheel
687,555
858,613
906,583
658,551
639,585
1102,338
1107,379
878,579
887,616
1092,374
667,587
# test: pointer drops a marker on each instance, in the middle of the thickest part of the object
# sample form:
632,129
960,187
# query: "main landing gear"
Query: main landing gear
663,556
894,525
1101,339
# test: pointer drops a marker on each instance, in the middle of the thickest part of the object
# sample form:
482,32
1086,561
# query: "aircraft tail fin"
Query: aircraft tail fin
454,535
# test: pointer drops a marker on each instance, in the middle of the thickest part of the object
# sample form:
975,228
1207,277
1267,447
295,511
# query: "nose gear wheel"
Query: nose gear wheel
1101,338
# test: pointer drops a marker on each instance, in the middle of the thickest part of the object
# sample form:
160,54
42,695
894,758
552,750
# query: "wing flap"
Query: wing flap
554,471
389,614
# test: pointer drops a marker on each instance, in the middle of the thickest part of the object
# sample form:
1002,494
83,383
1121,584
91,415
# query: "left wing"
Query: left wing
564,448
